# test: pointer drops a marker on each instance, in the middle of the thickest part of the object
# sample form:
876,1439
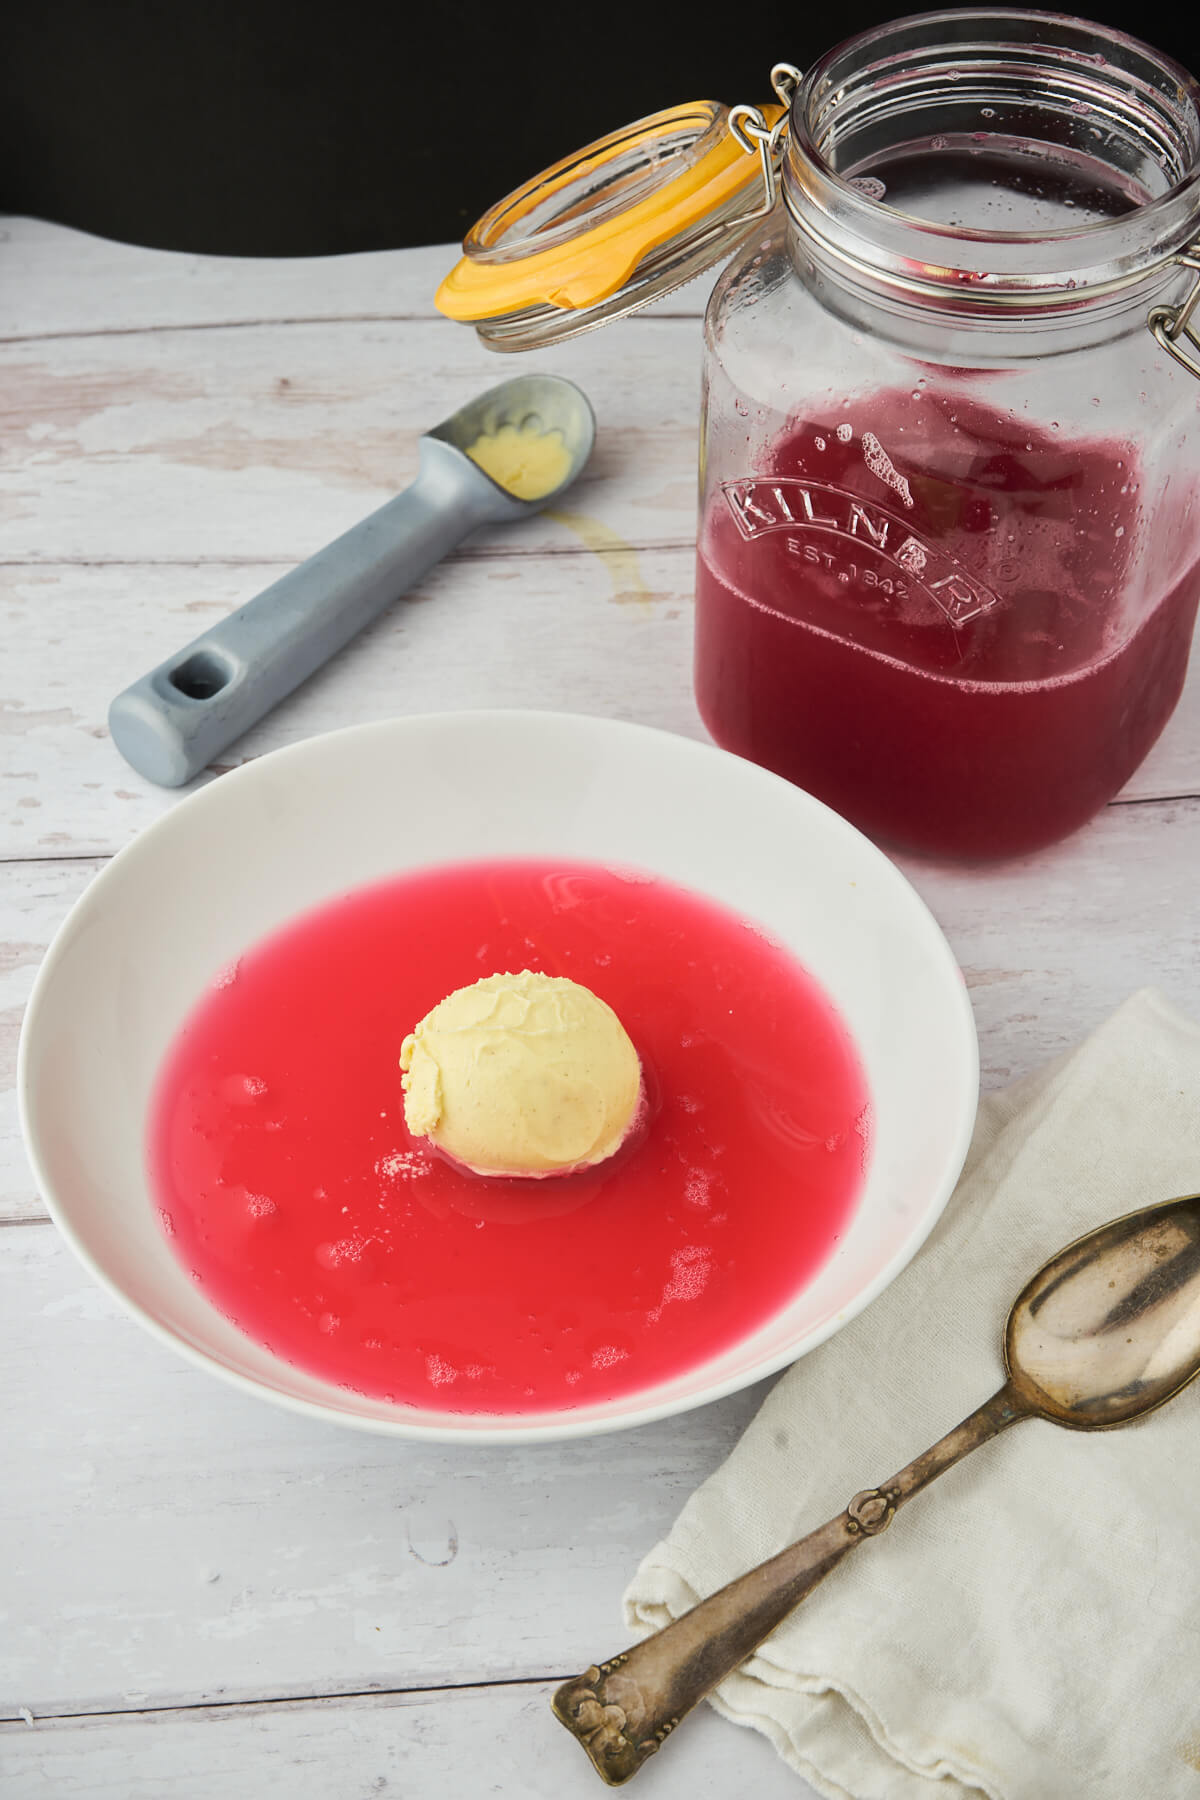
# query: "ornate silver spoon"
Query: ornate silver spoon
1105,1331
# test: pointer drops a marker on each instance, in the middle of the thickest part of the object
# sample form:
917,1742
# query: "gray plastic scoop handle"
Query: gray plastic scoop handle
183,714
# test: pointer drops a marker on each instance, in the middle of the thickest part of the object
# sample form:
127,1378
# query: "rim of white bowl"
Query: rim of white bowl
525,1428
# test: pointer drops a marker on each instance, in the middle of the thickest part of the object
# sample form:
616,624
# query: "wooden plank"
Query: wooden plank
452,1745
59,282
1051,944
169,1539
606,632
263,443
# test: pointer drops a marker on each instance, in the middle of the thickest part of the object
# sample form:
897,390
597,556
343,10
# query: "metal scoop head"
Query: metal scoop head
531,406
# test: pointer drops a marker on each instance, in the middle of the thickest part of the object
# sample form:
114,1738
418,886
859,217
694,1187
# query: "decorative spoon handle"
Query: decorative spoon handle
622,1710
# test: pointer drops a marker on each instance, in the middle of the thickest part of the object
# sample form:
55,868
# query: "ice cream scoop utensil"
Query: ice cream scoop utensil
176,719
1105,1331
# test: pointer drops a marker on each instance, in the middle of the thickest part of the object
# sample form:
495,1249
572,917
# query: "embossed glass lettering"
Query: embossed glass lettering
746,509
875,528
800,508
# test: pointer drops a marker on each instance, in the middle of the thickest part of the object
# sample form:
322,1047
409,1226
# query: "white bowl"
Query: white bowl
241,856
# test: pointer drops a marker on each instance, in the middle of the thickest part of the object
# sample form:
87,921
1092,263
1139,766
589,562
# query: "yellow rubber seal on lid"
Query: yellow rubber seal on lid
575,234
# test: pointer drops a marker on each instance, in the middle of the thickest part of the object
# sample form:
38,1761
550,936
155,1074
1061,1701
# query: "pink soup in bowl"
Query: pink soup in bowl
211,1094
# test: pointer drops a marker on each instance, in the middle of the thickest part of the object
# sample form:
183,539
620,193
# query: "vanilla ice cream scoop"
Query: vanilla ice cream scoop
522,1075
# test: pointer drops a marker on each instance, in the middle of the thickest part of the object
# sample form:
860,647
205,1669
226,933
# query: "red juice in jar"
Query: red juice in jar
918,612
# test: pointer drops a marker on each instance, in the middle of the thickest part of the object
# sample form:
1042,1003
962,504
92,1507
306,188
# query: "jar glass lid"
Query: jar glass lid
621,222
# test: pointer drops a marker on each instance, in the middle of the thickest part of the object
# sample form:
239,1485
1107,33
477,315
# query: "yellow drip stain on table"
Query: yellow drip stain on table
619,557
1189,1752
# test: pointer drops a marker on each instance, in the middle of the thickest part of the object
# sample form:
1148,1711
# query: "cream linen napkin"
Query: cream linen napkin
1029,1627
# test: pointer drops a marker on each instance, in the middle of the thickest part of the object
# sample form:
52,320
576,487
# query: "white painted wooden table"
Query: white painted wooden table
200,1594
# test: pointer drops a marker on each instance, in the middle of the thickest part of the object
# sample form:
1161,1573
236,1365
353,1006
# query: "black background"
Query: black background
274,129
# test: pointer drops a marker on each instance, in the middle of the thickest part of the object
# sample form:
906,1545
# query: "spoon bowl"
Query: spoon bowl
533,403
1110,1327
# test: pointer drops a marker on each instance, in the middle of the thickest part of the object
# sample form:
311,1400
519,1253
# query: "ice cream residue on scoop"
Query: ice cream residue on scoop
524,1074
529,463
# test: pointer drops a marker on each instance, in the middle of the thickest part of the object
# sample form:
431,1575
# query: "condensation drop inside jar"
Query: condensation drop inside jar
948,581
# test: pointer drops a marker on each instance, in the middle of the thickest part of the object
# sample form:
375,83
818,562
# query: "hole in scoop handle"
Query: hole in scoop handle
174,721
623,1710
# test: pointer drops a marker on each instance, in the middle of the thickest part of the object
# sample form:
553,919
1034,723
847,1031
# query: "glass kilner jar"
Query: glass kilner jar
948,560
